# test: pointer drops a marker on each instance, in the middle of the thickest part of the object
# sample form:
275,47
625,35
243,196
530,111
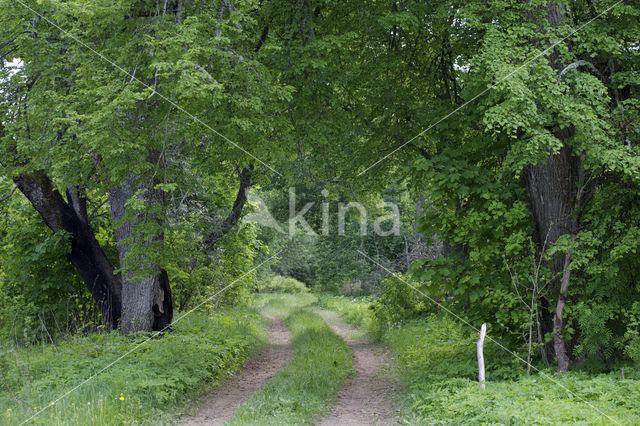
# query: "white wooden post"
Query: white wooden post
480,345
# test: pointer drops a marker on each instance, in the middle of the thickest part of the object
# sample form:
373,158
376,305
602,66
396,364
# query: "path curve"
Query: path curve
218,407
365,398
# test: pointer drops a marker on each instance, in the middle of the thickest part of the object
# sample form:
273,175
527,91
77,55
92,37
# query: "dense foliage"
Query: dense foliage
136,136
280,284
331,259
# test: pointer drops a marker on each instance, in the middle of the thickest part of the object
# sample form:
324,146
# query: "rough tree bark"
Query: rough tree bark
550,187
86,255
147,302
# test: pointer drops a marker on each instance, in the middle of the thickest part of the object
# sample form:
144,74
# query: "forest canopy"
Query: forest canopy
137,135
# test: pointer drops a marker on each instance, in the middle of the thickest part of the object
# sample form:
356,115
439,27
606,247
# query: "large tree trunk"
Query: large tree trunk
147,302
550,187
86,255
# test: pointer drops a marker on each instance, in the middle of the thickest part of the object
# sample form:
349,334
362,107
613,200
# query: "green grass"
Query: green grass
353,310
305,389
282,304
149,386
526,401
436,360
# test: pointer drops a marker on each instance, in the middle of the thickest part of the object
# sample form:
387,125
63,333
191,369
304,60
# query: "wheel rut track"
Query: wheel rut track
365,398
218,406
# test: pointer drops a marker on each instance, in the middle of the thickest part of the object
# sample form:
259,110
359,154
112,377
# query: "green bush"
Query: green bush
280,284
632,335
41,295
353,310
280,304
399,302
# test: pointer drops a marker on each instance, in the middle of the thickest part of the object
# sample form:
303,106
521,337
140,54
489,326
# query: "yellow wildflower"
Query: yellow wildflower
122,398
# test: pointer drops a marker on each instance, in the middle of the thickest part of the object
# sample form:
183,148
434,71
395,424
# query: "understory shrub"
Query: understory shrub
280,284
353,310
632,335
399,302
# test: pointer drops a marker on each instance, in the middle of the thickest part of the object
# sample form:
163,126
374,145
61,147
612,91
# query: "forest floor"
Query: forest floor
217,407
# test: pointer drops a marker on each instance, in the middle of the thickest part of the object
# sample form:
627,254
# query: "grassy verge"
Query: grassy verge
303,390
436,359
148,386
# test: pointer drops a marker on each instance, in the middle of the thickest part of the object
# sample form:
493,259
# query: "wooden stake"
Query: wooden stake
480,346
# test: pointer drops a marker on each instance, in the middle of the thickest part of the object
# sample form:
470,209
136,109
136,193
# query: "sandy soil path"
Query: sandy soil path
217,407
365,400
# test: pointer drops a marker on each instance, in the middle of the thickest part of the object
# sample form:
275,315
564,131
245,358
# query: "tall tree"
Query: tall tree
124,99
542,126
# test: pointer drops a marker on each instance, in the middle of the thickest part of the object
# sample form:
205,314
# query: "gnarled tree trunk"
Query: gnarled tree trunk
147,302
86,255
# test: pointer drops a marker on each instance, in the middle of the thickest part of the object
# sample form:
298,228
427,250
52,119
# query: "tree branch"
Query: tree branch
263,38
236,211
2,200
576,65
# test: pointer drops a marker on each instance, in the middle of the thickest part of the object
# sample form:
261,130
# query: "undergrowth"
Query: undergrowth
280,284
148,386
436,357
353,310
282,304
